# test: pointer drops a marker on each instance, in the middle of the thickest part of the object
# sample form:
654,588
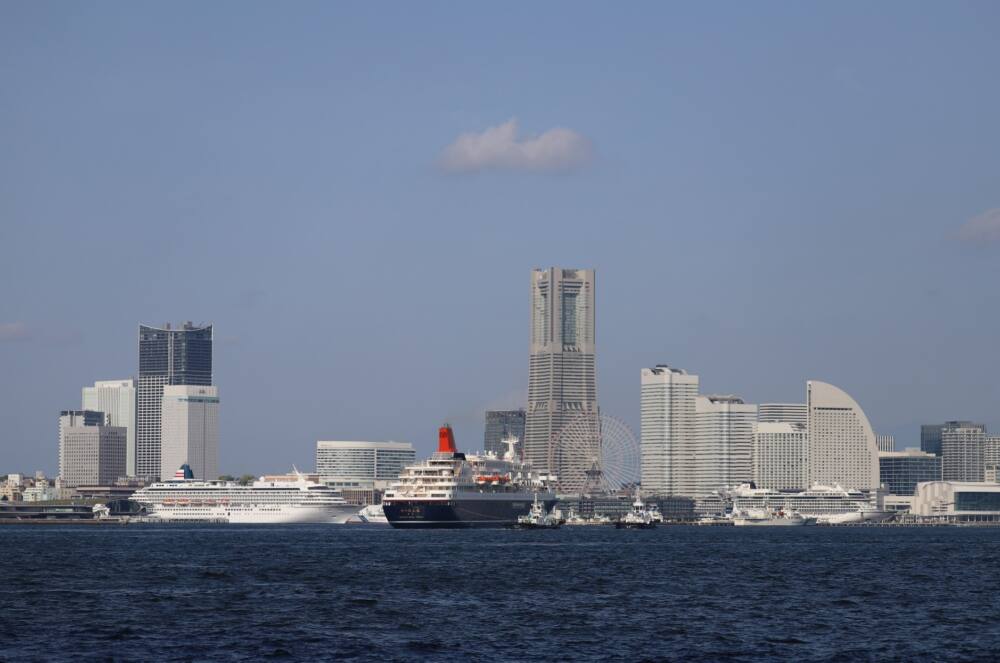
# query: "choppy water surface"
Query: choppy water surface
579,593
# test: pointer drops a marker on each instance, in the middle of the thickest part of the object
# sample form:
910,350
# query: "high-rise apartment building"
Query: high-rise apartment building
842,447
668,432
780,457
963,446
562,379
181,356
116,399
90,452
354,464
722,444
901,471
189,425
500,425
793,413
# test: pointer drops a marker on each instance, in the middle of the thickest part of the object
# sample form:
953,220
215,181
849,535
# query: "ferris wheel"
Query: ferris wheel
594,454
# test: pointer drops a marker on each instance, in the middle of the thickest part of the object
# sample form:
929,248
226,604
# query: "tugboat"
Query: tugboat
537,518
638,518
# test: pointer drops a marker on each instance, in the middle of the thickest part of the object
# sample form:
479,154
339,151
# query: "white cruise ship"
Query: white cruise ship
289,499
827,504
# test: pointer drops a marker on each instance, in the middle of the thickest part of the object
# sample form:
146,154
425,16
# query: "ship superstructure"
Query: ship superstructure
452,489
289,499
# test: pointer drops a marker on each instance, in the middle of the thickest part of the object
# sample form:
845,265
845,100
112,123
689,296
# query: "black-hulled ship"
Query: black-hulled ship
452,489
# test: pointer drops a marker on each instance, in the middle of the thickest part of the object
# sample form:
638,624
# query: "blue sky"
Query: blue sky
770,192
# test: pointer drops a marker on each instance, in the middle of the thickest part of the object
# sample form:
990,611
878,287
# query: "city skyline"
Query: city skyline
322,204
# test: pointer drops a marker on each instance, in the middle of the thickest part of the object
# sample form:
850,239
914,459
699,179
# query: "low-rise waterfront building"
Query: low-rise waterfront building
957,501
361,465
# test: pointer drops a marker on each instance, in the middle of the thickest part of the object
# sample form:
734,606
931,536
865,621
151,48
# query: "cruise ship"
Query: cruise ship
452,489
289,499
826,504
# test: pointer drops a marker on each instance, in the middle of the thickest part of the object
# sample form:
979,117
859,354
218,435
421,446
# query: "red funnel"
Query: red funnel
446,440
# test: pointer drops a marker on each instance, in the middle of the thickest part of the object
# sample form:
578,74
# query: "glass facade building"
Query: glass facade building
355,464
181,356
501,424
901,471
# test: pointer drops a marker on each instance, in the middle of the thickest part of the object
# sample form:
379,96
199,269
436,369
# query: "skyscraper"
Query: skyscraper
116,399
842,446
167,356
189,427
668,430
501,424
723,443
91,453
562,380
963,446
930,438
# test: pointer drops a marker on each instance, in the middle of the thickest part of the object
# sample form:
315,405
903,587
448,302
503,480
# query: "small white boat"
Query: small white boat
370,515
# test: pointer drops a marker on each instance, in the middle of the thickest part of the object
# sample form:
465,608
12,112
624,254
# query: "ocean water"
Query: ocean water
217,592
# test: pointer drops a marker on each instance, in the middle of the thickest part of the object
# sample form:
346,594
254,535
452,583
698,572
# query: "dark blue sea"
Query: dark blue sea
192,593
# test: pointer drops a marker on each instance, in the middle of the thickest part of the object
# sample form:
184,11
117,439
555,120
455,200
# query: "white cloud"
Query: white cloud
500,148
983,228
14,331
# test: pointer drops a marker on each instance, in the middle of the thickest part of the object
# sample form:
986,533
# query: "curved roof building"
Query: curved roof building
842,448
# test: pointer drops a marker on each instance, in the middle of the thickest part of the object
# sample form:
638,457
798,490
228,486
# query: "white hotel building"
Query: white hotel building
842,447
668,429
780,455
722,443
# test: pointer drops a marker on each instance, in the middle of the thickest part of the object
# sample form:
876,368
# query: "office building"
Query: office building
89,451
116,399
562,379
501,424
842,447
667,436
722,443
364,465
930,438
901,471
780,456
963,446
181,356
793,413
190,431
885,443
